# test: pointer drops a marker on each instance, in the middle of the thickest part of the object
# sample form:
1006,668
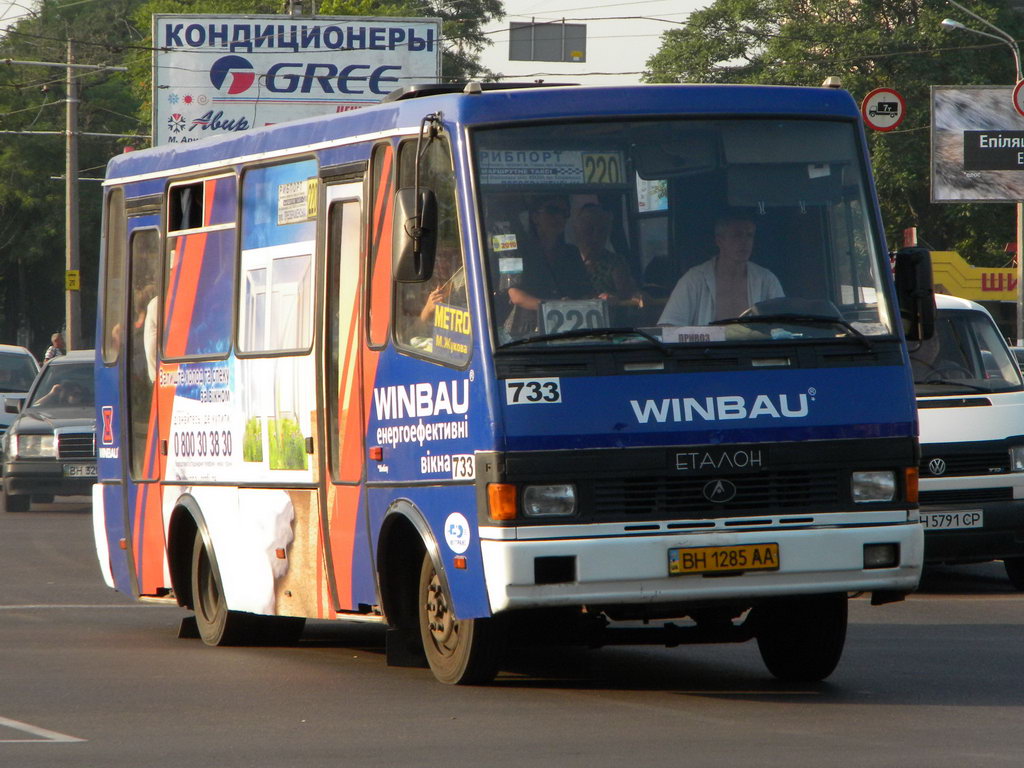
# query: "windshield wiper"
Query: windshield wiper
578,333
796,318
954,383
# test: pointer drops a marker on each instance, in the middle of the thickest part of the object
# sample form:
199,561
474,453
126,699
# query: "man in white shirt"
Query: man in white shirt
725,286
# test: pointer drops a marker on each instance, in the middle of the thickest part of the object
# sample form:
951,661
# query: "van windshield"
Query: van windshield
966,354
692,231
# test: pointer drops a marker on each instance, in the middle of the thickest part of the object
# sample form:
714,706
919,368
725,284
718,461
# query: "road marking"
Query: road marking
59,607
45,736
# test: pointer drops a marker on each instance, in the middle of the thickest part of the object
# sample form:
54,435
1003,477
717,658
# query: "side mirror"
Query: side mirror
13,404
414,235
915,293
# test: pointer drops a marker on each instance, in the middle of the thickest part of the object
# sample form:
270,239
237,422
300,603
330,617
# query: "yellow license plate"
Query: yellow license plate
743,557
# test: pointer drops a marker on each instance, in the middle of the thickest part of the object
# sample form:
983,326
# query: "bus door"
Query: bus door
141,471
343,513
125,396
131,250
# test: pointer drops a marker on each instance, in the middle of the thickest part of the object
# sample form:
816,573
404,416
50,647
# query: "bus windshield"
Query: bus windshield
685,231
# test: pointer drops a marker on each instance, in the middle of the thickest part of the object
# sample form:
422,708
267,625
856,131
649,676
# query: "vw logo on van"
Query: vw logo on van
937,466
719,491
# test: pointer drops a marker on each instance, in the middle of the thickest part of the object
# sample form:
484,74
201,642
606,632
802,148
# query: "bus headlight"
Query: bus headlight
549,500
873,486
34,447
1017,458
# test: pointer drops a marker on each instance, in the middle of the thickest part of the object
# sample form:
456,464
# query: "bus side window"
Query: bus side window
381,212
114,273
432,318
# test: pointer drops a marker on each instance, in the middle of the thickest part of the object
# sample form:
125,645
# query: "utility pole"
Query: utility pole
72,294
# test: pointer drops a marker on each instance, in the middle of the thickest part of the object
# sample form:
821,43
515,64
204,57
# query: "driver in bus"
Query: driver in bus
726,285
552,268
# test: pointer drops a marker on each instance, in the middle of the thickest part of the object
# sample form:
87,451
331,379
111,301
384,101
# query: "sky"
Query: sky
621,36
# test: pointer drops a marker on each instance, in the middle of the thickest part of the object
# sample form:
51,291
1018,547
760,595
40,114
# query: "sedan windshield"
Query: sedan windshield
67,385
16,372
696,231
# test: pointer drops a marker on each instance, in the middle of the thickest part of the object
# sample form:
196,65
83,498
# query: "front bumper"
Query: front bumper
616,567
1001,535
47,476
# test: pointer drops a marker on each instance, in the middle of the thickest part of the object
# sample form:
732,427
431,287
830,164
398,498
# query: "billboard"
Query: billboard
216,74
977,145
548,41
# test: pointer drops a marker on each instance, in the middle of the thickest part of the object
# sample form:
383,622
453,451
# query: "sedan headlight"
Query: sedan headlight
873,486
34,447
549,500
1017,458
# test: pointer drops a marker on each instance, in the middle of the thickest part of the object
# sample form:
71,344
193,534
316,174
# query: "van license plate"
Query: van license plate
745,557
952,520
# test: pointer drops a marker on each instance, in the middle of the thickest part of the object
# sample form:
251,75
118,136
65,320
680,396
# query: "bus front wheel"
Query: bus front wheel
801,638
217,625
459,651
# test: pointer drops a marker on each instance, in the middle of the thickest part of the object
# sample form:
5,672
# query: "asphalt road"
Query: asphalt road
89,679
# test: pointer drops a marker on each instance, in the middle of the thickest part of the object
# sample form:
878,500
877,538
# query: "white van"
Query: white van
970,401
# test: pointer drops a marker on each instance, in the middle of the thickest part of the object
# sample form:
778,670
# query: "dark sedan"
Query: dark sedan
50,449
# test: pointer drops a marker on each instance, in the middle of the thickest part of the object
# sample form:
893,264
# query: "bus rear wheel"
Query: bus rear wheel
217,625
459,651
801,638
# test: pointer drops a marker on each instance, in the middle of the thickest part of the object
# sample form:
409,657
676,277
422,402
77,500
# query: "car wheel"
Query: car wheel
42,498
15,503
1015,571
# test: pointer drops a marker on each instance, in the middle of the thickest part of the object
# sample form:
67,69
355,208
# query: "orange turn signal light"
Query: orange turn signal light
910,479
501,501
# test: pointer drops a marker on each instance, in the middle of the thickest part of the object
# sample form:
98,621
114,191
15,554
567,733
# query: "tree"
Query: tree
32,207
868,44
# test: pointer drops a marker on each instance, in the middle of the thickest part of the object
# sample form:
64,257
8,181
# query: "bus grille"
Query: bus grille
756,494
76,445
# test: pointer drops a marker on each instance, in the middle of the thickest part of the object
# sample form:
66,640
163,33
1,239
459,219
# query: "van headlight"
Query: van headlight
549,500
34,447
1017,458
873,486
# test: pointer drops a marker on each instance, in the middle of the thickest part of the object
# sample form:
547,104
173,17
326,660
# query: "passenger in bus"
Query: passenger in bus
726,285
552,268
609,273
447,285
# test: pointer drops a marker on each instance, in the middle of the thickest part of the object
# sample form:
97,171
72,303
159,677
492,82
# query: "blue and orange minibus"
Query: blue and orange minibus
429,364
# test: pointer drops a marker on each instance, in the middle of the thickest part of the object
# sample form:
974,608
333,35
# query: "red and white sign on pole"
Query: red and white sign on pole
883,109
1018,96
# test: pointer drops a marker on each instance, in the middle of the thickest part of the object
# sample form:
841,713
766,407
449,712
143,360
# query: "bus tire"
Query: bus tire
216,624
460,652
801,638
